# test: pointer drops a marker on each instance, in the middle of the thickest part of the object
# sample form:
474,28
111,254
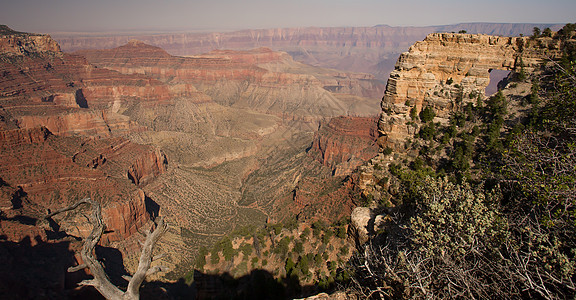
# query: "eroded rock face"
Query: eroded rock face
344,143
442,67
52,172
358,49
42,86
147,167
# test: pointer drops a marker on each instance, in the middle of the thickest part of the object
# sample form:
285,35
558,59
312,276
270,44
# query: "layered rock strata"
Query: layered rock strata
344,143
59,142
51,172
260,79
358,49
443,67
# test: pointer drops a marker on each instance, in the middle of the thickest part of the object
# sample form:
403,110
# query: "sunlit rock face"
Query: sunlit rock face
344,143
443,67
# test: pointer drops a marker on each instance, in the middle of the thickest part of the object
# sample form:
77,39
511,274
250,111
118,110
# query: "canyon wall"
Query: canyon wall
260,79
344,143
59,136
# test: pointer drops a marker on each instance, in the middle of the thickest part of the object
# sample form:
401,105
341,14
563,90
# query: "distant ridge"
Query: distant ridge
504,29
371,50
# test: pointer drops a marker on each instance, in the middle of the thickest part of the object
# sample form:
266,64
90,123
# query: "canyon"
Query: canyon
216,141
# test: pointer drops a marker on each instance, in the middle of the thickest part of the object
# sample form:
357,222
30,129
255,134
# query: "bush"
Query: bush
201,258
387,151
289,266
454,218
446,249
282,246
428,131
326,237
298,247
427,114
227,250
306,233
413,113
341,232
246,249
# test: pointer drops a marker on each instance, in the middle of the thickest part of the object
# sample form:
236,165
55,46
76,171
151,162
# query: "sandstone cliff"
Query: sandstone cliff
442,67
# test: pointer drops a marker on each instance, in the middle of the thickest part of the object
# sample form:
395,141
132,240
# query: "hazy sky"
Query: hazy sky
45,16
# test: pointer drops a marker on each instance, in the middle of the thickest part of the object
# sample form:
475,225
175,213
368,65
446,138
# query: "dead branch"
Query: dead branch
101,281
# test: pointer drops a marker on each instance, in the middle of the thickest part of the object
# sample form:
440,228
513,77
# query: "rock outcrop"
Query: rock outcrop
52,172
22,43
442,67
344,143
148,167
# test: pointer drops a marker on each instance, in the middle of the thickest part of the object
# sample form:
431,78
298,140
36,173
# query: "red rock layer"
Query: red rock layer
53,172
147,167
327,199
139,58
41,86
344,143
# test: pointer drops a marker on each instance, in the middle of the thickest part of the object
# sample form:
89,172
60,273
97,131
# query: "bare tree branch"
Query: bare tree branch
101,281
146,258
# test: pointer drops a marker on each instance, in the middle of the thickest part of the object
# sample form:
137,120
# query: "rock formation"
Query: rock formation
445,66
41,86
344,143
60,140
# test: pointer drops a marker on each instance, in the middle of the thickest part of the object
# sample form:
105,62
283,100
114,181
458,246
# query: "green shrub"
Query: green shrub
413,113
298,247
306,233
387,151
427,114
201,258
428,131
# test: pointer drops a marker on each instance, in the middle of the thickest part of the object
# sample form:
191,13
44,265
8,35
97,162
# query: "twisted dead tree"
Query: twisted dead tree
101,281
